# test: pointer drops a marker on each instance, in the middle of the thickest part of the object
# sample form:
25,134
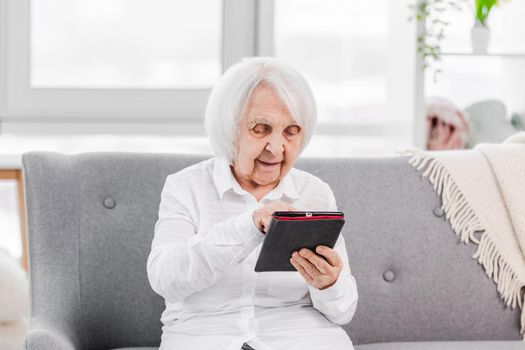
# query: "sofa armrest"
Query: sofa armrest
44,337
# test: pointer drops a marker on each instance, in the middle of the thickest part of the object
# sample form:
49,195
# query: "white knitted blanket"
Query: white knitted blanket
483,198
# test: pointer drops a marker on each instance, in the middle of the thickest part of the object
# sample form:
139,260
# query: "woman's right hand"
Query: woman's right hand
262,216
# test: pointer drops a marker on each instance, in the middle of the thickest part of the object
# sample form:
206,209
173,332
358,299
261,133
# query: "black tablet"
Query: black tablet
290,231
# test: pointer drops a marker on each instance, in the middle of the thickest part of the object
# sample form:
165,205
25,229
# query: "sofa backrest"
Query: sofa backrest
90,226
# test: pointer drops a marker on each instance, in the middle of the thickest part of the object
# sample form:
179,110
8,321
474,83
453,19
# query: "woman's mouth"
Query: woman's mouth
268,164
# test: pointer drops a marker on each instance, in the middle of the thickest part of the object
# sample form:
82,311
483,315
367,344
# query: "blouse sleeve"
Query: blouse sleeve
338,302
182,262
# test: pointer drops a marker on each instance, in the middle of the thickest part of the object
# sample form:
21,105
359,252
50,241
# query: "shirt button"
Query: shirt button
438,212
109,203
389,276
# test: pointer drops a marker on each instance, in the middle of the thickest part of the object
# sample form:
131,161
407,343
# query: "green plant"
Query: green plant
483,8
430,13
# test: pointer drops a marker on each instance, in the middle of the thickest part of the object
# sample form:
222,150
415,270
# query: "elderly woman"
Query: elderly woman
213,216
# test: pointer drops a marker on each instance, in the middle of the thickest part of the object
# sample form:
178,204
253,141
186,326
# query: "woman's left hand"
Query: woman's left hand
317,271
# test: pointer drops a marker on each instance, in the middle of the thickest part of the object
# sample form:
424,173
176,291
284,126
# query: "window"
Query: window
125,44
359,58
115,63
343,52
120,63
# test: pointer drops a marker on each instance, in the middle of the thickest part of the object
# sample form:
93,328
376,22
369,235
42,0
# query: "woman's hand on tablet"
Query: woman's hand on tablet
320,270
262,216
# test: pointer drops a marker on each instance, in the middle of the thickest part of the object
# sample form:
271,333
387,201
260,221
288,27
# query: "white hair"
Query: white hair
231,94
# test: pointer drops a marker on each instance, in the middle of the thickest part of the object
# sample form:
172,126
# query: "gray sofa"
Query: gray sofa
90,222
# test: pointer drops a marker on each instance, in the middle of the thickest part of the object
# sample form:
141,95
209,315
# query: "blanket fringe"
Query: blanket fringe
465,224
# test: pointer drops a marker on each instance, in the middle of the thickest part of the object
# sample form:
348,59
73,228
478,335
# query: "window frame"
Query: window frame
60,109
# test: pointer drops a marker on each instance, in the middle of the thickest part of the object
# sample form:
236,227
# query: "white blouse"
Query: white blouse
202,263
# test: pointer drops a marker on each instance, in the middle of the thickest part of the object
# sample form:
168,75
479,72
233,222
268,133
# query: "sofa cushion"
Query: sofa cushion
446,345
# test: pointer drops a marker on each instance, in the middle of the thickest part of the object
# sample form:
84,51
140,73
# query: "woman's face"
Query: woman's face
269,141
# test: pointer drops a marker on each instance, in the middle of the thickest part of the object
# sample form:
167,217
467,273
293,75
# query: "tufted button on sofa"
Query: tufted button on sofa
109,203
438,211
389,276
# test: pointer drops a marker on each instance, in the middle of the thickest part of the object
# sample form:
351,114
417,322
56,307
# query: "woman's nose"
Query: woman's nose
275,145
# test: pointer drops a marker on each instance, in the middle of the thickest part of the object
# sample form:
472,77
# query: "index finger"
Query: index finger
330,255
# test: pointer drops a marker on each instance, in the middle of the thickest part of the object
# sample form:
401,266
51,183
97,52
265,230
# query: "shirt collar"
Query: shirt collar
224,181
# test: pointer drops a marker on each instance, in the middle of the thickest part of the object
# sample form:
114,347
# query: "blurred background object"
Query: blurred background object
10,218
485,82
488,122
518,121
447,126
450,127
14,302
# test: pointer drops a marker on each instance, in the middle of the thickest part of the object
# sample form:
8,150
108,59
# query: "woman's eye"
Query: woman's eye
292,130
261,129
